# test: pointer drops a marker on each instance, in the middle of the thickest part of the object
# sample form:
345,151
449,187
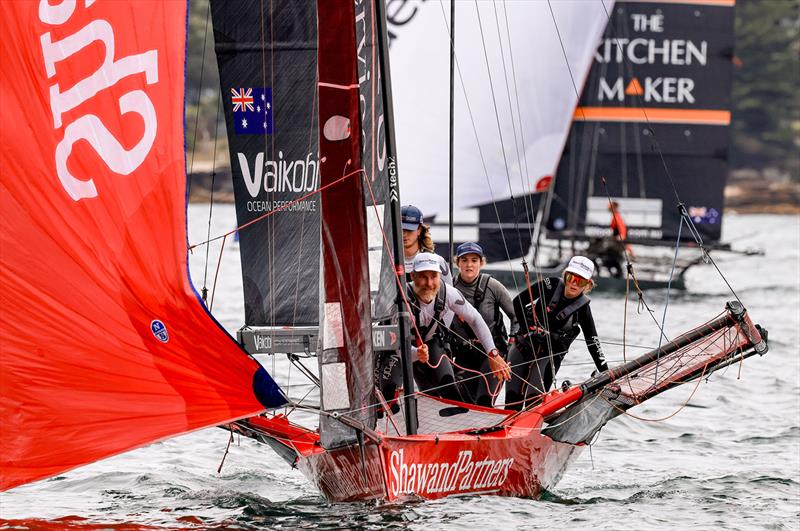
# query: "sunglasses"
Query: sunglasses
572,278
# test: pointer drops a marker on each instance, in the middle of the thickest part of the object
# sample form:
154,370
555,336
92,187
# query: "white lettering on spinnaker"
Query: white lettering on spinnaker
465,474
89,127
279,175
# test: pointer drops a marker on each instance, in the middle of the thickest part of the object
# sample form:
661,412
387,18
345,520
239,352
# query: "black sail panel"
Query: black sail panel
267,56
653,121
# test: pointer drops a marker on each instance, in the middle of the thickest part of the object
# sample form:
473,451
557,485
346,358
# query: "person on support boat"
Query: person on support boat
434,304
615,255
417,239
489,297
551,314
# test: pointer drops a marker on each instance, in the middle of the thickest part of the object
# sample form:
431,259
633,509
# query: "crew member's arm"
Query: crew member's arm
586,322
468,313
503,298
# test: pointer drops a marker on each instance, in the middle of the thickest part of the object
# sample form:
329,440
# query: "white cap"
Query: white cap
426,262
581,266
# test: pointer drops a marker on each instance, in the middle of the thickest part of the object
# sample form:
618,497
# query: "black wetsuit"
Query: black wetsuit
489,297
535,358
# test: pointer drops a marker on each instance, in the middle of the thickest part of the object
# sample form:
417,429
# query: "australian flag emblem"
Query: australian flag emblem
252,110
704,215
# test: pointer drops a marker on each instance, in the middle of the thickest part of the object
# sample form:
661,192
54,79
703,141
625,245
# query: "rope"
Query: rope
279,209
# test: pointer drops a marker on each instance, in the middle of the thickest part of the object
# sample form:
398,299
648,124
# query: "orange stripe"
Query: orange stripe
639,114
729,3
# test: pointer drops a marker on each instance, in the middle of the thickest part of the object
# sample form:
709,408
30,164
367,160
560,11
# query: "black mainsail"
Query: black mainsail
653,120
268,75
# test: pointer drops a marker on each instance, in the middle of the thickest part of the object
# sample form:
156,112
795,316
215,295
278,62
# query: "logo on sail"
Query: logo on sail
159,330
281,175
252,110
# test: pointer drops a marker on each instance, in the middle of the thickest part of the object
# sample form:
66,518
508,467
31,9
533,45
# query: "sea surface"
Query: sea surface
727,459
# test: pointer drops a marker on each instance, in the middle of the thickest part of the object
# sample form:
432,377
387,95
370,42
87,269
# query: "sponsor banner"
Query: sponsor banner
270,101
652,55
654,111
464,473
514,465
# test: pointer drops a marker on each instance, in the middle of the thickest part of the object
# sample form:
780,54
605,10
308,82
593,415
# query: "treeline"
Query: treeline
766,86
766,101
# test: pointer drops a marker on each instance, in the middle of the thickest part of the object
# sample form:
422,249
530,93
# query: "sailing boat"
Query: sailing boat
655,81
131,356
651,129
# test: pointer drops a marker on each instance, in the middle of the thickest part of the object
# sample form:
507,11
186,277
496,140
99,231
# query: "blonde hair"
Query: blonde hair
424,240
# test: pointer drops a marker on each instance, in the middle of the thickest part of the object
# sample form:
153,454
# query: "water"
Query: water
730,459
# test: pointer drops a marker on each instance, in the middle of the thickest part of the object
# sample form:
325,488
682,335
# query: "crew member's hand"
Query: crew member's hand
422,353
537,329
500,368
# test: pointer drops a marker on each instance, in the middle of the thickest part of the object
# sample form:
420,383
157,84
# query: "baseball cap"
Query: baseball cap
467,248
426,262
581,266
411,217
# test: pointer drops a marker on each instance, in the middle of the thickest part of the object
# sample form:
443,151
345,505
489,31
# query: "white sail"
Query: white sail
527,89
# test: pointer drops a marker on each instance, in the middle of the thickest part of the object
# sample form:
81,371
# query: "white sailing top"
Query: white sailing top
455,304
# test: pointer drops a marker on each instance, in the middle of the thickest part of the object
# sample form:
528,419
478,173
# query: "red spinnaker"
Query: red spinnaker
105,345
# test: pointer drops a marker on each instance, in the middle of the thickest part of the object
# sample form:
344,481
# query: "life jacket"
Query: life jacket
565,328
433,330
497,327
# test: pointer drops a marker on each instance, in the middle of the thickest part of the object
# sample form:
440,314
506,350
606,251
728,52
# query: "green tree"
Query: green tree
766,106
203,119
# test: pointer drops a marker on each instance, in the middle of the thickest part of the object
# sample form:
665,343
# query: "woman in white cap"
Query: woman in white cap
489,297
417,239
548,325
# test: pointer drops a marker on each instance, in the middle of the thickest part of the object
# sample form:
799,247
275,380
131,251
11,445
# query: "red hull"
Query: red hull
514,460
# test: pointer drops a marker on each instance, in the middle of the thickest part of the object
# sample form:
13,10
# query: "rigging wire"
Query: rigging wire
499,128
690,223
211,207
199,93
478,143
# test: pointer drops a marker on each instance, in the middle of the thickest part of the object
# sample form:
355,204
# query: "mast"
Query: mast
452,119
409,401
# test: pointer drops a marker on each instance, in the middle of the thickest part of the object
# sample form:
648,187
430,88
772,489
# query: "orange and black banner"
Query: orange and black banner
655,110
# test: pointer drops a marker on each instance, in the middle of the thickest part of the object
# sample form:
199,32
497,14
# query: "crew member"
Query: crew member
434,304
547,327
613,256
417,239
489,297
